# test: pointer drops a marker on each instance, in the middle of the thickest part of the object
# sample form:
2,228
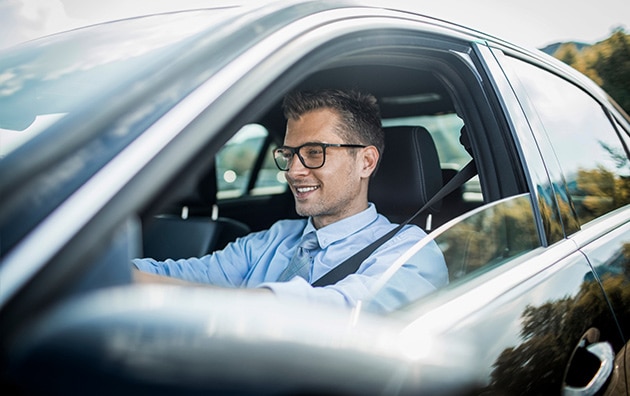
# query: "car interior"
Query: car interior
243,191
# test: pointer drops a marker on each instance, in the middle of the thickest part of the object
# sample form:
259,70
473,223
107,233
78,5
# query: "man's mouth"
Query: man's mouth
304,190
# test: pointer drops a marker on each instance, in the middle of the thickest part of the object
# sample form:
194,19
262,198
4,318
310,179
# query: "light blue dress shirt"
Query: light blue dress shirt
258,259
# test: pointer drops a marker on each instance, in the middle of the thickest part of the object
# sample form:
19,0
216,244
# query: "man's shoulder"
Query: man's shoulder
408,230
408,235
412,229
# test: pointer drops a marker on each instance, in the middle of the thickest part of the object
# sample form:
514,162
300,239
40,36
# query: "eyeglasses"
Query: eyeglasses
311,155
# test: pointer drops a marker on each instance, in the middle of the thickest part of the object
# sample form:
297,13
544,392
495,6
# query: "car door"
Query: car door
586,156
518,310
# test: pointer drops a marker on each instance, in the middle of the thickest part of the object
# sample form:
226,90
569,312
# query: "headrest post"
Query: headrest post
215,212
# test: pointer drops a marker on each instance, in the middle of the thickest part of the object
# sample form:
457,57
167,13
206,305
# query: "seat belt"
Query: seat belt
352,264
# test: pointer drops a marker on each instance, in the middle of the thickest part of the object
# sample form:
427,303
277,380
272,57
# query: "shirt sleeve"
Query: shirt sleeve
225,268
246,262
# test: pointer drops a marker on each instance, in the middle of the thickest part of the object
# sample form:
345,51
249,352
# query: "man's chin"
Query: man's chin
302,213
304,210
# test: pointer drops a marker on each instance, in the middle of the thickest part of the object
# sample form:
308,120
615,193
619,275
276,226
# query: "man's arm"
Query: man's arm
145,277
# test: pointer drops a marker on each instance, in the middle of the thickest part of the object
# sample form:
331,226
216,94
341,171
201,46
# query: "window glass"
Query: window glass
236,160
485,238
270,180
477,241
445,129
34,77
592,158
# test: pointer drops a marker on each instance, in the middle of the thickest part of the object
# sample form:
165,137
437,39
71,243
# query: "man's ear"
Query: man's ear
370,158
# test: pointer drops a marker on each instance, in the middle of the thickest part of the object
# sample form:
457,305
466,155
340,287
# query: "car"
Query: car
151,137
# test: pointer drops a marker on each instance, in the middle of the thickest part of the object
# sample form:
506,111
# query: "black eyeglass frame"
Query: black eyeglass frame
296,151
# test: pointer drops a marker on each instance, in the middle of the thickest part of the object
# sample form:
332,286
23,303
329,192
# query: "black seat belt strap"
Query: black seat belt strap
352,264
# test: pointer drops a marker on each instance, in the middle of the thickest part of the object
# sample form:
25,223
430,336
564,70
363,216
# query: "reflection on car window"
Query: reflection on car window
12,139
35,79
489,236
236,162
592,158
478,240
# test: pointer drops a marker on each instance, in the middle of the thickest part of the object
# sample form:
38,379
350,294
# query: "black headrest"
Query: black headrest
203,195
409,173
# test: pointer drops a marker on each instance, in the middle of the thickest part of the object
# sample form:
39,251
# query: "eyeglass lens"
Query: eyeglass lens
311,155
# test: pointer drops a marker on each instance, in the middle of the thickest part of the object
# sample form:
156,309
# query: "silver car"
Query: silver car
151,136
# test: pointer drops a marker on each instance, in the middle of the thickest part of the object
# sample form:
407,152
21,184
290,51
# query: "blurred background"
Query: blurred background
591,36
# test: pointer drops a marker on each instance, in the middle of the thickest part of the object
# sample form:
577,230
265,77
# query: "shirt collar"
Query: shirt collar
343,228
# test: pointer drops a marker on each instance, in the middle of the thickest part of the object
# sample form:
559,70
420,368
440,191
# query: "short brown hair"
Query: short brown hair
359,113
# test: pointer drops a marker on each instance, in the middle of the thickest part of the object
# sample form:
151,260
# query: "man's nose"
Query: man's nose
296,166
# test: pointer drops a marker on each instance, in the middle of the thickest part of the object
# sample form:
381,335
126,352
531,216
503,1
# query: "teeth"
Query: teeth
305,189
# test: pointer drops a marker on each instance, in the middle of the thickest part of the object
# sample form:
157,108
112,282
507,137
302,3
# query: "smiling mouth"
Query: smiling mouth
304,190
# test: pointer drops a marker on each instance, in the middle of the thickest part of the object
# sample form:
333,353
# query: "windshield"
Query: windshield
44,80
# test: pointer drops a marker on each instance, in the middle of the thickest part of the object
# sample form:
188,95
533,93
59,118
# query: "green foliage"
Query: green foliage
607,63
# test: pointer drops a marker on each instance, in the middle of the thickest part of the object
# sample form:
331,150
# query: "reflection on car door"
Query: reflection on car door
526,308
610,257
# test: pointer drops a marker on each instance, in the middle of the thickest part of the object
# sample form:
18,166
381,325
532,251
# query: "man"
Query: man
332,147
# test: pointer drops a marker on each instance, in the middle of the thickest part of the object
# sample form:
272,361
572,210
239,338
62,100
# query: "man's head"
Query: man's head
359,114
332,146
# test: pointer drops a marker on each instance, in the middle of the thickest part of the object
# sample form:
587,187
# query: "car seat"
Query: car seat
408,175
196,230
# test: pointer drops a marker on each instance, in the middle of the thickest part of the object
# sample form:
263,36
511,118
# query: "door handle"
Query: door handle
603,352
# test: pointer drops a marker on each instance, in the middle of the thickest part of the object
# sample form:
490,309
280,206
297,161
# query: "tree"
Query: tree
607,63
613,65
568,53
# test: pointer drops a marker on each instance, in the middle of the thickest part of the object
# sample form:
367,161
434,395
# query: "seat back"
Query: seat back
408,176
196,228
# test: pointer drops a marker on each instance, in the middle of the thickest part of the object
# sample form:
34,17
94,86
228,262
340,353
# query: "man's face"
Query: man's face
339,188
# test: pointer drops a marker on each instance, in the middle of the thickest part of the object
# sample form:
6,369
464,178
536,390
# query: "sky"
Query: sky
529,23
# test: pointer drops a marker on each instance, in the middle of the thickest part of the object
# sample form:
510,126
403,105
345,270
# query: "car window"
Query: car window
109,54
445,129
593,160
477,241
236,165
489,236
